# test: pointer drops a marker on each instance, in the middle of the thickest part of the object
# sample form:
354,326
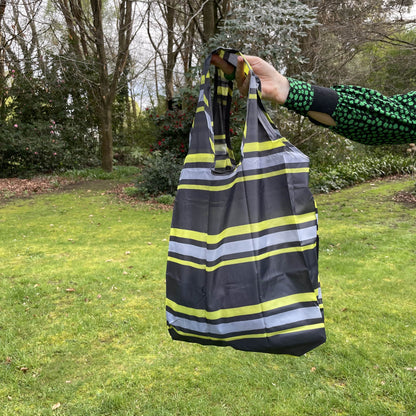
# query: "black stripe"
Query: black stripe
241,204
240,285
293,343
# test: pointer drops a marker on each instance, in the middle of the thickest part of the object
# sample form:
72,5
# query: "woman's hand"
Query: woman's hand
274,86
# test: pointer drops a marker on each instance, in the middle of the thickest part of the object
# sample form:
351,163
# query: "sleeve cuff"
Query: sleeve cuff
304,97
324,100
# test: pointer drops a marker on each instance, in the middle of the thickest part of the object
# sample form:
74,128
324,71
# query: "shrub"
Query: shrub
160,174
32,148
350,172
171,128
166,199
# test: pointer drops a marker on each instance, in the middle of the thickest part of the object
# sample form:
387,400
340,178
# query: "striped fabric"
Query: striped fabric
242,267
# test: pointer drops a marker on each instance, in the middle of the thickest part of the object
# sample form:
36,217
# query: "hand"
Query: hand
274,86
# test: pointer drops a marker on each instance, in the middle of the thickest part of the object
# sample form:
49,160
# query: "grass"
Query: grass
82,328
120,173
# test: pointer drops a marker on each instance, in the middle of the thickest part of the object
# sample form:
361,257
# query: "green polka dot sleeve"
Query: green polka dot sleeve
300,96
361,114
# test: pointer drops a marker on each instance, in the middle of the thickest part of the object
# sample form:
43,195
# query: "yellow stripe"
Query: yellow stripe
222,163
242,260
206,101
199,157
243,229
200,109
248,336
224,91
220,147
216,188
262,146
243,310
252,96
219,137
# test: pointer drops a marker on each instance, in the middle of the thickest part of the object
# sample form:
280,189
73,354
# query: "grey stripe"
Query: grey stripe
251,244
247,164
267,322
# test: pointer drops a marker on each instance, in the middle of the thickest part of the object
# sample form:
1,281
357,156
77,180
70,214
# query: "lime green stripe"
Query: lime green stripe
224,91
215,188
262,146
243,310
250,336
222,163
242,259
243,229
199,157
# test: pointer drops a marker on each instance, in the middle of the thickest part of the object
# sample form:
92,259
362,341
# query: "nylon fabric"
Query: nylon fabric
242,267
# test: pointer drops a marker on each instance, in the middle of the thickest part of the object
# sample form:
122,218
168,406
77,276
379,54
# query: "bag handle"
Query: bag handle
213,116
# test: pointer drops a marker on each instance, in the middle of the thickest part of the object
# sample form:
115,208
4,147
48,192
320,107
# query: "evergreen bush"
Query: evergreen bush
160,174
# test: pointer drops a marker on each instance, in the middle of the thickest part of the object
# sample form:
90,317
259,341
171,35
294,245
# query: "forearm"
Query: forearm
359,114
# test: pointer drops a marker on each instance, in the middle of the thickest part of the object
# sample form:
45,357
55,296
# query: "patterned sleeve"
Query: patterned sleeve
361,114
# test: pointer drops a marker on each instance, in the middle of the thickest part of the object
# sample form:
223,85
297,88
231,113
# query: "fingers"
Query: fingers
242,80
226,67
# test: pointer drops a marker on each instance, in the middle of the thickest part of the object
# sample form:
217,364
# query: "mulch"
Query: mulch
408,198
14,188
20,188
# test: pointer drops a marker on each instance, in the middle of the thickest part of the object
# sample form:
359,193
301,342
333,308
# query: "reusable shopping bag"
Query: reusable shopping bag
242,267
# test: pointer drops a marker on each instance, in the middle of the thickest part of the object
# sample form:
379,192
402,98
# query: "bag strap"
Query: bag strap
210,144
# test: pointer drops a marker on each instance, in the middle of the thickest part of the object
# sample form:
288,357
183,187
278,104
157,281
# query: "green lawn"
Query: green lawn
82,326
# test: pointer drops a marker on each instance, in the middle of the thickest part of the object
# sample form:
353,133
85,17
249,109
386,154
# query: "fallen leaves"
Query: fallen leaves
408,198
16,187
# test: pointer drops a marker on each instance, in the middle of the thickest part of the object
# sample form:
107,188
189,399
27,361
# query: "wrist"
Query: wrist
299,97
281,90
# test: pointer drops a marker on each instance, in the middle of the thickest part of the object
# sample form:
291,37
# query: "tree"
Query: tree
100,58
390,64
177,28
345,28
270,29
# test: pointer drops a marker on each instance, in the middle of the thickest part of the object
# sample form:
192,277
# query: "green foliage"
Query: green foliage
165,199
29,148
389,67
352,172
270,29
160,174
46,122
172,126
119,173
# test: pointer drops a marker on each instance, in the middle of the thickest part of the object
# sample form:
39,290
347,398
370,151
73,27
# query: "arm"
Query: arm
357,113
360,114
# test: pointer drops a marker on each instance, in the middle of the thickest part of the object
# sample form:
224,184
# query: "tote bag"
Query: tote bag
242,267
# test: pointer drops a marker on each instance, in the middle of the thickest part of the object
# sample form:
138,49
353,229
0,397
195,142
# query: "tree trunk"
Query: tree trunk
209,20
171,54
106,135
